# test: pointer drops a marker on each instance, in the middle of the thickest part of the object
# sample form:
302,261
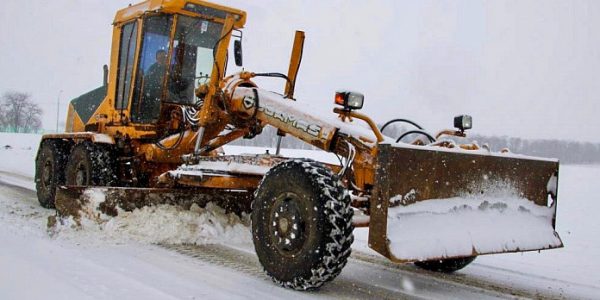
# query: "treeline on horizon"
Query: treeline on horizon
570,152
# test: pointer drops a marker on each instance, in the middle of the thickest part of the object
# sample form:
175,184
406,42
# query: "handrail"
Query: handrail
353,114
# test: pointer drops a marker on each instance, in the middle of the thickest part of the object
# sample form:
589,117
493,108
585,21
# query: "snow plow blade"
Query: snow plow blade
74,201
431,204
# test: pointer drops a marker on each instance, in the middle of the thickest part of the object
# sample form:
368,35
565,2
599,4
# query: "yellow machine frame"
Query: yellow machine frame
368,157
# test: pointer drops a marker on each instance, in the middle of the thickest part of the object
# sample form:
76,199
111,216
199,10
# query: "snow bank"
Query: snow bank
161,224
18,152
458,226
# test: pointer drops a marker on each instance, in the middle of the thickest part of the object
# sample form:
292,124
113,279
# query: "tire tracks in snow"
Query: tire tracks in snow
248,264
455,278
365,276
361,278
13,181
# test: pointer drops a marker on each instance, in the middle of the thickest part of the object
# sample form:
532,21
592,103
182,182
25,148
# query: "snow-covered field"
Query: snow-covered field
119,257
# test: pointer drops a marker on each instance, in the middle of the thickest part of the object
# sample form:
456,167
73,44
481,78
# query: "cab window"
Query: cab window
126,63
152,69
191,61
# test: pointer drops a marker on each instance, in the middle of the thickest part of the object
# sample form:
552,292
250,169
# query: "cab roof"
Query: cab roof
194,7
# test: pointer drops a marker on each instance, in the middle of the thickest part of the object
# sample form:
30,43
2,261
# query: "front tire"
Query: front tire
450,265
49,172
302,224
90,165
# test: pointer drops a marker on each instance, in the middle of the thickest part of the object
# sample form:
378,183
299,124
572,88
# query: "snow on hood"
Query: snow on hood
161,224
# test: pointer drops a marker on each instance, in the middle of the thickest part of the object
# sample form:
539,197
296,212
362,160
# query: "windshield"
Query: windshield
191,61
171,72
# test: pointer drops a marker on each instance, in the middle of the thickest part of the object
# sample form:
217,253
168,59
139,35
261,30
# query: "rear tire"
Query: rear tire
90,165
49,172
445,265
302,224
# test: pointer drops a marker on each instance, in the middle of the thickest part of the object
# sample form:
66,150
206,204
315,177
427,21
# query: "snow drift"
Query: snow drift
160,224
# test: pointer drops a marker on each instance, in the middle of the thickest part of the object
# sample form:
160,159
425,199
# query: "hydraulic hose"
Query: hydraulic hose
431,138
398,121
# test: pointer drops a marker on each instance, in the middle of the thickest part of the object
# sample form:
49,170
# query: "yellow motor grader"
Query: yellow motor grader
153,134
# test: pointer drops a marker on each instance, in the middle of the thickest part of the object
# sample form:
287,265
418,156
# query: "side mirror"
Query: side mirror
237,53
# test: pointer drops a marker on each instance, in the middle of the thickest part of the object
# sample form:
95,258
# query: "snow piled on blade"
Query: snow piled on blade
462,226
161,224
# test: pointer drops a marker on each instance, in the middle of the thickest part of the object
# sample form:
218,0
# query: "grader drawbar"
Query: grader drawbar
436,201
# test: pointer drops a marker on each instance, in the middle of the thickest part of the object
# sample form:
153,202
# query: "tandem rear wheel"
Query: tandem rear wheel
49,170
302,224
90,164
59,163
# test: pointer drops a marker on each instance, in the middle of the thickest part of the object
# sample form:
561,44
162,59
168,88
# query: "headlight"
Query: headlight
463,122
349,100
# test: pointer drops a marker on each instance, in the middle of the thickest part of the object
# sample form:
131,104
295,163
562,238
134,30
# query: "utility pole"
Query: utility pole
58,109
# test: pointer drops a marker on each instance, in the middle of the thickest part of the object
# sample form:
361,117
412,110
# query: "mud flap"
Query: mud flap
435,203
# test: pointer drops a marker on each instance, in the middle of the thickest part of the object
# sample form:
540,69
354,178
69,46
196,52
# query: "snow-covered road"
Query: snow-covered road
83,265
36,266
118,261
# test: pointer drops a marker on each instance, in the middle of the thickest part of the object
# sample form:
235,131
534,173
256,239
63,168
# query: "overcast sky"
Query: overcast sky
521,68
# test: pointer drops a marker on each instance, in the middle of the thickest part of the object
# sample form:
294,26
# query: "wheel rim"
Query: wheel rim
287,224
47,174
81,176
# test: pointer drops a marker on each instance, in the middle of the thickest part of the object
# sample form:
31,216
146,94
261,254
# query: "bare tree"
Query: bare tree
31,121
3,122
18,113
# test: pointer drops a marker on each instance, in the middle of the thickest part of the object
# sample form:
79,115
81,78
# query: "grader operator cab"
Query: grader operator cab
153,135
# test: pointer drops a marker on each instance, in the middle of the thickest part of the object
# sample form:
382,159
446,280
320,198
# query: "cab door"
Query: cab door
151,74
125,67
